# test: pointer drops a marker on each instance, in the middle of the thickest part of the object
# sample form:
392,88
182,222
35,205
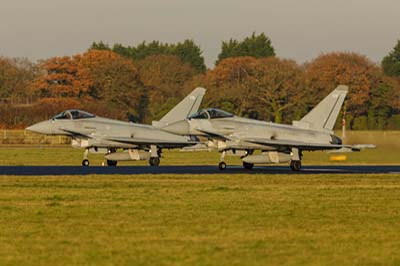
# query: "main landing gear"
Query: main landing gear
154,155
154,161
222,164
295,165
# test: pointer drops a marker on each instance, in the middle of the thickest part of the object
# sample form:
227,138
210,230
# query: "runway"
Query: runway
198,169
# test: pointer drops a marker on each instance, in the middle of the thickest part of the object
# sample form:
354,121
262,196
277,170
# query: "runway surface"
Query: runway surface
198,169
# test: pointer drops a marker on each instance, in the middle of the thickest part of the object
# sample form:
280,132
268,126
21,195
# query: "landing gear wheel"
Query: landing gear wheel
222,166
295,165
154,161
85,162
112,163
248,165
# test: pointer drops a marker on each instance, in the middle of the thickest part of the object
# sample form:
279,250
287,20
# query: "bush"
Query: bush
360,123
393,122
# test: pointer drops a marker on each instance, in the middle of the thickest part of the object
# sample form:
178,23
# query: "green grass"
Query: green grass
200,220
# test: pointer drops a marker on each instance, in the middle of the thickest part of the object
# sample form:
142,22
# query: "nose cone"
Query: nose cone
181,127
44,127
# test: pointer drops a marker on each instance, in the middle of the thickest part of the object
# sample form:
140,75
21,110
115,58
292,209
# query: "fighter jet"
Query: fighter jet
278,143
102,135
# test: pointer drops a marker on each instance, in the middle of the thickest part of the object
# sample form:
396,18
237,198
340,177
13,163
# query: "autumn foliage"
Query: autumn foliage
110,83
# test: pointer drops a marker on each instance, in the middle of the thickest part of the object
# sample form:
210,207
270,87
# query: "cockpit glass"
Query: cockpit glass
73,114
199,115
63,115
78,114
216,113
210,113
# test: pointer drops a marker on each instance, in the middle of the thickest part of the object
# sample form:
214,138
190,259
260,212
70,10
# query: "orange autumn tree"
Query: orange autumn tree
280,90
114,82
62,77
330,70
265,88
164,77
369,88
232,84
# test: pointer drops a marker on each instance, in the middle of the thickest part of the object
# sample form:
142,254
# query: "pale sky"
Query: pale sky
299,29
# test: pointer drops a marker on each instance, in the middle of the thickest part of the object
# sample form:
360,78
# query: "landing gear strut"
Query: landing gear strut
85,161
222,164
154,156
295,163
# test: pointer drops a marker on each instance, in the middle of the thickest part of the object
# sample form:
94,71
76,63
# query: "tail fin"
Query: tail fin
185,108
324,115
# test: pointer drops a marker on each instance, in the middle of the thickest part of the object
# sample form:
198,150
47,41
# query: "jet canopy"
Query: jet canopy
73,115
210,113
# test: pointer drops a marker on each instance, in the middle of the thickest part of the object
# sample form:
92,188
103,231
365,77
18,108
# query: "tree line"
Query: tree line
141,83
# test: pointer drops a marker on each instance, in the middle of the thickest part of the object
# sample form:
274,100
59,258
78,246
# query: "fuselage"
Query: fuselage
239,127
97,131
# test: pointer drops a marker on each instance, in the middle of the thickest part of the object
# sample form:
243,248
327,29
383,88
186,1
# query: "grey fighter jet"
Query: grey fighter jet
138,142
278,143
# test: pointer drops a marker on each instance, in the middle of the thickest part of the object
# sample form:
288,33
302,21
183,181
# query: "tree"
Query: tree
188,51
265,88
62,77
281,87
7,71
16,75
330,70
114,80
257,46
391,62
369,89
99,46
232,84
164,77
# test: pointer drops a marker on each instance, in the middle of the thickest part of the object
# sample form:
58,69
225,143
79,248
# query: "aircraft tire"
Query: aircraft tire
222,166
295,165
248,165
112,163
154,161
85,162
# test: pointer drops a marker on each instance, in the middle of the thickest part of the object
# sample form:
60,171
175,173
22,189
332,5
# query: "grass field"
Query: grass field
200,220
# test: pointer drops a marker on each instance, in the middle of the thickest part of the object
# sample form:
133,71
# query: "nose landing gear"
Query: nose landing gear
85,161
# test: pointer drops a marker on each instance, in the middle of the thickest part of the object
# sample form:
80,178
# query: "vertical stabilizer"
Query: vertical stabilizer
185,108
324,115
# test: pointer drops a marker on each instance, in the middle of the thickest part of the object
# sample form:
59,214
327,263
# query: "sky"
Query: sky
299,30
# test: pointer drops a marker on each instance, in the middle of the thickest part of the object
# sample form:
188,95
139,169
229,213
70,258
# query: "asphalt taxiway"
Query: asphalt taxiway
195,169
